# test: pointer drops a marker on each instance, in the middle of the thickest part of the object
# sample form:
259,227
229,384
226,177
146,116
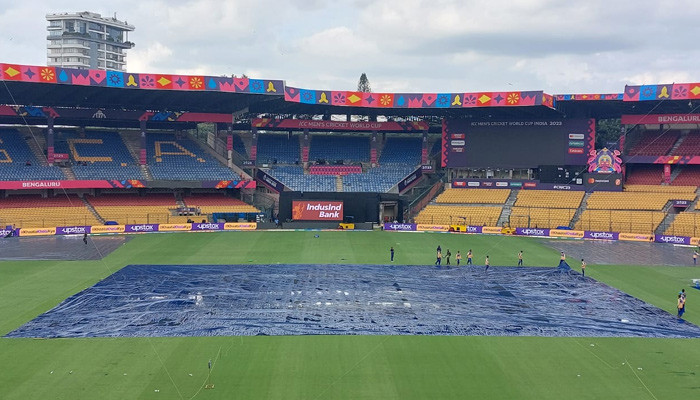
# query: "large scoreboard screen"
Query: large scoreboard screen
516,144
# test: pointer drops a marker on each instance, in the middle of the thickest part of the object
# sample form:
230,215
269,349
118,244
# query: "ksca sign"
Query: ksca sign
317,210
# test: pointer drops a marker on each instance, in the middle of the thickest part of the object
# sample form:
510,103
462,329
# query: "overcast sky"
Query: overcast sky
559,46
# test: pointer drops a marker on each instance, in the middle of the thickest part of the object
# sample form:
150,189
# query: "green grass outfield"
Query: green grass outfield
336,367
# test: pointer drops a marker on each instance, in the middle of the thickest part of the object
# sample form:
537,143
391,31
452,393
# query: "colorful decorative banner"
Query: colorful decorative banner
229,184
672,91
68,184
286,124
589,97
118,79
683,160
418,100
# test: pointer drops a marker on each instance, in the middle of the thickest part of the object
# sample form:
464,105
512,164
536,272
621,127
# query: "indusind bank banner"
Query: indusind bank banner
317,210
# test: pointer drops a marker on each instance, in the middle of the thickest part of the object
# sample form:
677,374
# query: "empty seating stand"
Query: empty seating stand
654,143
18,163
335,169
131,208
33,211
98,155
176,158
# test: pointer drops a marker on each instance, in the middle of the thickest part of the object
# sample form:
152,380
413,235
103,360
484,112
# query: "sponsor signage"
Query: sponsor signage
473,229
672,239
681,203
606,182
576,136
248,163
433,228
399,227
458,150
501,184
207,226
459,184
661,119
136,228
471,184
36,231
695,241
426,167
457,143
240,226
60,156
107,229
458,136
317,210
566,233
516,184
576,143
410,180
174,227
532,231
283,124
267,180
491,230
6,233
600,235
636,237
72,230
574,150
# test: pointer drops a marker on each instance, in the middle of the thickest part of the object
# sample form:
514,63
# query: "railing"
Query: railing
423,199
457,220
132,219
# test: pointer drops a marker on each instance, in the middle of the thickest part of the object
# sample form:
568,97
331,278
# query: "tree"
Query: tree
607,131
363,85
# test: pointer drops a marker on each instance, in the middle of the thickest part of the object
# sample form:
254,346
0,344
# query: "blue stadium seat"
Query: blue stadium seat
14,155
278,147
98,155
174,158
331,148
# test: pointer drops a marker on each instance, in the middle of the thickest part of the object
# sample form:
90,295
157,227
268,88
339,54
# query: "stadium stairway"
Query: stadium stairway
36,143
508,207
665,223
580,210
92,209
674,174
68,172
204,146
681,139
338,183
132,144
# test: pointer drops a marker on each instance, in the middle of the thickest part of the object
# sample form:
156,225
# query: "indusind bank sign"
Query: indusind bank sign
317,210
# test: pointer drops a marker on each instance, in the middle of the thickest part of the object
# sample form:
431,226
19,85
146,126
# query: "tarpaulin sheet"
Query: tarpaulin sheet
208,300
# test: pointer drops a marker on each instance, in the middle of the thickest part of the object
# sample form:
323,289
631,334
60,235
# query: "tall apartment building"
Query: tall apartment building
87,40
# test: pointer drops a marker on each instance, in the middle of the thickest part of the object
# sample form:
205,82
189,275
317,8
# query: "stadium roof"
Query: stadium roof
115,90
